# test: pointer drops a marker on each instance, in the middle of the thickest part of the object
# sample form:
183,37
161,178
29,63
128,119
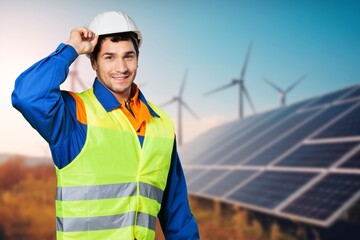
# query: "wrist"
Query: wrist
66,52
74,46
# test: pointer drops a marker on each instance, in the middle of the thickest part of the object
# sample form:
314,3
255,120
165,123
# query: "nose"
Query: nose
121,66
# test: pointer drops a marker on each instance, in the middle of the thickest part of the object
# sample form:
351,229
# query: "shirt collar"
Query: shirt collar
109,101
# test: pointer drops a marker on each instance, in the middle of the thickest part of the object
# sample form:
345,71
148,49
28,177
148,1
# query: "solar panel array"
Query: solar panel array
300,162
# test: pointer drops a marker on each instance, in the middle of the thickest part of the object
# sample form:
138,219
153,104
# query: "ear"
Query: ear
93,63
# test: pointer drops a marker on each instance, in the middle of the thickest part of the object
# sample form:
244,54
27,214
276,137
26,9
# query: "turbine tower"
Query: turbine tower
181,103
242,89
283,93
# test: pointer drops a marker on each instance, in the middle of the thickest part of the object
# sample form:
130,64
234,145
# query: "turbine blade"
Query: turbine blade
220,88
249,99
189,109
183,84
295,83
243,71
167,103
273,85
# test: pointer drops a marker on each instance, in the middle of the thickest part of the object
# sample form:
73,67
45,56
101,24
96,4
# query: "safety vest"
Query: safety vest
113,189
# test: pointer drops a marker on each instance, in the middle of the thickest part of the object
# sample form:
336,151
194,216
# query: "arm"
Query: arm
175,216
37,92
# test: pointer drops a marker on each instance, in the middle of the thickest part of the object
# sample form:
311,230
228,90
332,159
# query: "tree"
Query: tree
275,232
11,172
27,203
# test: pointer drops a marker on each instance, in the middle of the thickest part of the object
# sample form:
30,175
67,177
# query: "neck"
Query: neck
128,95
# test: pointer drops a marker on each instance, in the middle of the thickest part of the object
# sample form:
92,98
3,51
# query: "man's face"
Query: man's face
116,66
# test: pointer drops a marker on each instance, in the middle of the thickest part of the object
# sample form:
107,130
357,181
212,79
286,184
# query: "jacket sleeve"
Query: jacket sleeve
38,97
176,219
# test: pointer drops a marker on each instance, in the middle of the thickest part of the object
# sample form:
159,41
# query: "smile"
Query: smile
120,78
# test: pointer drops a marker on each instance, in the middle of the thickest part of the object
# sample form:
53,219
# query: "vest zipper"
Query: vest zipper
127,105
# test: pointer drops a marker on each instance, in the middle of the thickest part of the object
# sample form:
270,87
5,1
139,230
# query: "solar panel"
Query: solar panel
192,174
353,162
325,197
224,143
228,182
211,140
295,135
270,188
347,126
354,94
328,98
266,137
198,184
216,153
231,136
317,155
286,161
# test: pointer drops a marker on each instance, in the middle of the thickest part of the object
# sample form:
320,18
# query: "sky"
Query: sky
208,39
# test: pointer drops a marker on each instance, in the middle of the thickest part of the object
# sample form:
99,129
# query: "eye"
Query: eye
129,57
109,57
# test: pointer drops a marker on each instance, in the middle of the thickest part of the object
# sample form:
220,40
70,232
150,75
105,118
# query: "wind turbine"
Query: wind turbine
282,92
181,103
242,89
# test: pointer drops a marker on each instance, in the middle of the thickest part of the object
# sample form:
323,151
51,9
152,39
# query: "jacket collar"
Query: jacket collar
109,101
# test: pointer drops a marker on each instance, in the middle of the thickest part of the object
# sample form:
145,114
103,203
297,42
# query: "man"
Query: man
114,152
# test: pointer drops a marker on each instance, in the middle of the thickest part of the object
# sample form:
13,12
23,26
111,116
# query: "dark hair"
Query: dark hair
117,37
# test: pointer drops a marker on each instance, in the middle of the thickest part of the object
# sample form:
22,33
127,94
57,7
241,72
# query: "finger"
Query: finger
92,35
95,39
84,33
89,35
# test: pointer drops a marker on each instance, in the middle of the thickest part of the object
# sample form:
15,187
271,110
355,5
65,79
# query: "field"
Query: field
27,211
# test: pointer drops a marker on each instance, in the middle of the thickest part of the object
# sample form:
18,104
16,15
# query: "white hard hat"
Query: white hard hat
114,22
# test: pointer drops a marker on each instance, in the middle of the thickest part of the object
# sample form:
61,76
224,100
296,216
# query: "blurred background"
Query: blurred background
269,124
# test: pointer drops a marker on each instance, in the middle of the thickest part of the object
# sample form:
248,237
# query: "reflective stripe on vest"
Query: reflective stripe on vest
105,222
114,188
108,191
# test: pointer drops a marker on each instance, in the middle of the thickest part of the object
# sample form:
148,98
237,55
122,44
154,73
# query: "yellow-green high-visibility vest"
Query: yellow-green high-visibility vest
113,189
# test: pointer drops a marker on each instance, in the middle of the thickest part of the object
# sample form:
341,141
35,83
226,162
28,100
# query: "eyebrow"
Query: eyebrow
107,53
112,53
130,52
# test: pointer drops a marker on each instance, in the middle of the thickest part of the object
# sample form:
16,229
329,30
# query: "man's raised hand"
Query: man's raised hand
82,40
